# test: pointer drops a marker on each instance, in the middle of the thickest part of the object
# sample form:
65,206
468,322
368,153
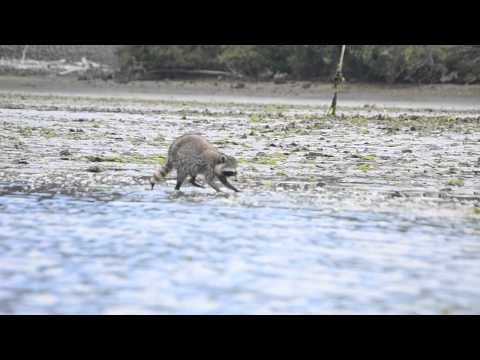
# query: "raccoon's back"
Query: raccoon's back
188,145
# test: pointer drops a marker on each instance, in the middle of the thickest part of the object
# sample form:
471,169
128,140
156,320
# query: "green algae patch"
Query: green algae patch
48,133
364,167
275,108
147,159
274,111
359,121
135,158
257,118
225,142
25,131
370,157
456,182
312,117
272,160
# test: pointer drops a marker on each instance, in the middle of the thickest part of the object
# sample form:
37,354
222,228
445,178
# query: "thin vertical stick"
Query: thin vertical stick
340,63
24,53
338,79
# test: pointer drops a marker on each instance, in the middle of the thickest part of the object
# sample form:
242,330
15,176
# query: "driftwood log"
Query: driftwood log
140,73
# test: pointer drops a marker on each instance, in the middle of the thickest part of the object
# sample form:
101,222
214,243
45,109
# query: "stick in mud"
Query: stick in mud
337,80
24,53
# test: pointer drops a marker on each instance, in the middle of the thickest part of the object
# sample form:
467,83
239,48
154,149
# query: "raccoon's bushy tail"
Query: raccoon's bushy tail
161,173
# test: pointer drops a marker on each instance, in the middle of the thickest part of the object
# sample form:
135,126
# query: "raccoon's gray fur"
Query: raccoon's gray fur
191,155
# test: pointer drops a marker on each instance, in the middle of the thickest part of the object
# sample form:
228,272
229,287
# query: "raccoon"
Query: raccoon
191,155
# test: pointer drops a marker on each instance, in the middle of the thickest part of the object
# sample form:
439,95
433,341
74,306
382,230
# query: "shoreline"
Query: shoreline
456,97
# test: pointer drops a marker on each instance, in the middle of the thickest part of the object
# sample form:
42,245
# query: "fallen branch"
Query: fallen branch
58,67
192,72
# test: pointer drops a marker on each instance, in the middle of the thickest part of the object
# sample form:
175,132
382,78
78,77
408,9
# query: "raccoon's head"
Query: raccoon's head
226,166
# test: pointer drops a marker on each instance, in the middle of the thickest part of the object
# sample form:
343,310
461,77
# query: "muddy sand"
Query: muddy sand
387,152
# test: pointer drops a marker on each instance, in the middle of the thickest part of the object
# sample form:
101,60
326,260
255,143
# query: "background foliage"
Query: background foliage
366,63
372,63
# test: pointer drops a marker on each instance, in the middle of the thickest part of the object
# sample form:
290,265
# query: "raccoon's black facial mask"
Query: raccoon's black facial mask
229,173
228,166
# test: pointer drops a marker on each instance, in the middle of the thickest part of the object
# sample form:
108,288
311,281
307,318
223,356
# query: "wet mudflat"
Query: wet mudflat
376,211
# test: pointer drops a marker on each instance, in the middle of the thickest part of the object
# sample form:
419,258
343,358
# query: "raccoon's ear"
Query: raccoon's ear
223,158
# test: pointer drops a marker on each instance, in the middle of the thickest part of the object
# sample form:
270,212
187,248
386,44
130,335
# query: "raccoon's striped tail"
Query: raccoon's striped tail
161,173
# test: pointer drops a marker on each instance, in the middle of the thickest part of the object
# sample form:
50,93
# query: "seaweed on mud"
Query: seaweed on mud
135,158
317,120
221,143
272,108
257,118
48,133
364,157
306,143
359,121
456,182
364,167
272,159
25,131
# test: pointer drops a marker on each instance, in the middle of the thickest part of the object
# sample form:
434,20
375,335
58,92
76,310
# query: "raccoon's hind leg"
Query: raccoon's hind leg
161,173
180,179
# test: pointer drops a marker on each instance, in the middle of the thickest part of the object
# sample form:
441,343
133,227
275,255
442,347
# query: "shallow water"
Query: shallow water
165,253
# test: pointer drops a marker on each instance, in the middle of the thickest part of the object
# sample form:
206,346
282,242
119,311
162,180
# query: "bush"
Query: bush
401,63
313,61
153,57
464,63
244,59
379,63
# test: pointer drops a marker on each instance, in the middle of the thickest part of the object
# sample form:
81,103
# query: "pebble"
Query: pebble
21,161
95,169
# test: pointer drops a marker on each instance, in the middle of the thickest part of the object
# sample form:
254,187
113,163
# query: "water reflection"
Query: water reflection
156,252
